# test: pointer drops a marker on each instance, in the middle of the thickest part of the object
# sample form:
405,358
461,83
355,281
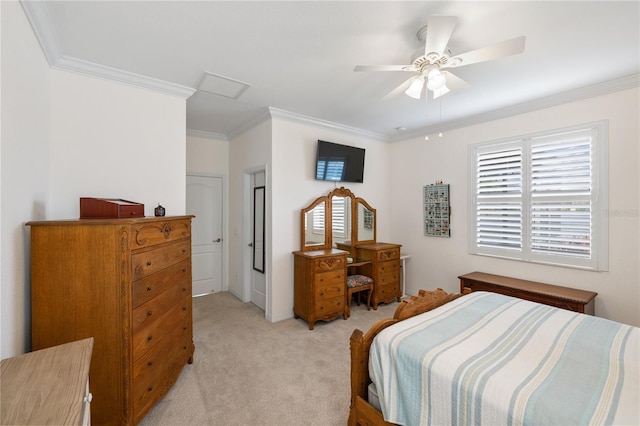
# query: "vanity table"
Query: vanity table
333,228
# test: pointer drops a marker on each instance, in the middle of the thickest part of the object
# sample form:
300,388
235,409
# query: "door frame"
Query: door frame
225,226
247,235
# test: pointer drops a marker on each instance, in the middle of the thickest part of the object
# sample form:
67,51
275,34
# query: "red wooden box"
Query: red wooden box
109,208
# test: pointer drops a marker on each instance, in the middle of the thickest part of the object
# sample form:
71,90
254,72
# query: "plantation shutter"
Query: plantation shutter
561,194
499,197
337,217
318,221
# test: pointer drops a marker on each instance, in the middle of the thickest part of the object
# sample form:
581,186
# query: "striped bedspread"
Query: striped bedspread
490,359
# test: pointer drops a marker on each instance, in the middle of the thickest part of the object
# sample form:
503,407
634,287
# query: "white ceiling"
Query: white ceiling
298,57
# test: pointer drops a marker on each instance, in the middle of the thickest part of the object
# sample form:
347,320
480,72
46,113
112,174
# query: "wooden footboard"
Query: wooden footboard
361,412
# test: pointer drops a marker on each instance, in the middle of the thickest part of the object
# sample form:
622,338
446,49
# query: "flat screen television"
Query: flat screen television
339,163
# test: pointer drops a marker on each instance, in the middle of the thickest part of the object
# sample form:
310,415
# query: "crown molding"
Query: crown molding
92,69
303,119
586,92
40,19
275,113
207,135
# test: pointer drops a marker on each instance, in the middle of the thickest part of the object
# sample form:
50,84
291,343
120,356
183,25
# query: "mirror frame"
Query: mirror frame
362,201
328,235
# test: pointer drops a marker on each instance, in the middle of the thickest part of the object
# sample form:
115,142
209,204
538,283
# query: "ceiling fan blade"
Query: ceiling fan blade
439,30
401,88
385,68
454,82
495,51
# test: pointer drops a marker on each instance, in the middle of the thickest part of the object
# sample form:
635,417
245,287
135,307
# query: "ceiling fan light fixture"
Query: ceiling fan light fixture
435,79
415,89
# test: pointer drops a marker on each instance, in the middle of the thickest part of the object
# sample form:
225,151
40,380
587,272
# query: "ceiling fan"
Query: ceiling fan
430,68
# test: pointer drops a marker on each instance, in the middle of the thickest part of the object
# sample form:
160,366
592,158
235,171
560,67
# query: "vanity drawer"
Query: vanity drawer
176,275
331,290
329,263
389,267
334,277
147,337
147,262
154,233
329,307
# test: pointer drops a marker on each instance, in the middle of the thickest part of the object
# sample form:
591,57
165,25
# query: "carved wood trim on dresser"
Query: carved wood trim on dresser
127,284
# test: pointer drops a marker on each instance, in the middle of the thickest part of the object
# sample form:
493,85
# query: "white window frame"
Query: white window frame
520,197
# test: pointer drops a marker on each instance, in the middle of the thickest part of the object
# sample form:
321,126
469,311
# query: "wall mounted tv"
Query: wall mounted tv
339,163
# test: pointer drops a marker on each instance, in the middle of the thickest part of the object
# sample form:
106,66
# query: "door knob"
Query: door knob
250,244
218,240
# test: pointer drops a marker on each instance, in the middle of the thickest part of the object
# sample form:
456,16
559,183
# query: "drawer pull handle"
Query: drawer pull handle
150,338
150,388
149,263
150,363
184,250
149,313
184,328
149,288
184,289
184,308
184,347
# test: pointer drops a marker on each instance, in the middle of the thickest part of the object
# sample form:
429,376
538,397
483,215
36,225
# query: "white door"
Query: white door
258,279
204,200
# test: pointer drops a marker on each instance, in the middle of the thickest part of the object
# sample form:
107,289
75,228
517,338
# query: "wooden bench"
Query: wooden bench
561,297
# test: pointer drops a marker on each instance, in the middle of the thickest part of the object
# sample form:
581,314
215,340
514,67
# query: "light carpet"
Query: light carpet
249,371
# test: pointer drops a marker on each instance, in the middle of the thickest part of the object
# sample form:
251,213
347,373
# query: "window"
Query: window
542,198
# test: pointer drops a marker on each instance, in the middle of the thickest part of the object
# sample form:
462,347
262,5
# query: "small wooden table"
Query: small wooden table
48,387
561,297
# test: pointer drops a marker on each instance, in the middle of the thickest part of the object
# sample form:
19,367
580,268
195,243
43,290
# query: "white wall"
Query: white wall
65,136
25,159
437,262
115,141
207,154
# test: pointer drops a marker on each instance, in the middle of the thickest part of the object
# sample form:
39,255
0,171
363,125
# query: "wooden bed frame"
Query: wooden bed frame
361,412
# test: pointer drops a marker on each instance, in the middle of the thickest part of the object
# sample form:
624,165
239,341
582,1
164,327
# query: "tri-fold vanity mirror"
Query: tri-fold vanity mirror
338,219
338,239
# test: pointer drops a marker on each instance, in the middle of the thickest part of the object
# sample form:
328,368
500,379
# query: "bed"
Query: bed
486,358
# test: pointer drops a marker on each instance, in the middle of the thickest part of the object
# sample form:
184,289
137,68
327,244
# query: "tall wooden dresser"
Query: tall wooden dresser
320,285
127,284
384,268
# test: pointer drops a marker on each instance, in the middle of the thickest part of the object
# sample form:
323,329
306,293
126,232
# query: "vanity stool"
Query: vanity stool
357,284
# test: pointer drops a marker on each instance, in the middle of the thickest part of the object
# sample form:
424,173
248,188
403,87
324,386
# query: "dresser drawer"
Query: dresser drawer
176,275
147,262
326,278
389,267
154,372
154,233
330,290
149,336
329,263
389,291
155,308
389,278
329,307
387,254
